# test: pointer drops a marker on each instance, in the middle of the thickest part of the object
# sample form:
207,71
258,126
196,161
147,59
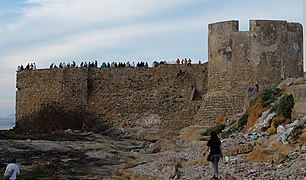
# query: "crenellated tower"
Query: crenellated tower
266,54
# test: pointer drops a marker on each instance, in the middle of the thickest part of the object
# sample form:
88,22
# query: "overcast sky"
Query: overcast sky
47,31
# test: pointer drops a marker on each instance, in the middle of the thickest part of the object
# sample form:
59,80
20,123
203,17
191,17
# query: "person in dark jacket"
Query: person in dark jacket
214,145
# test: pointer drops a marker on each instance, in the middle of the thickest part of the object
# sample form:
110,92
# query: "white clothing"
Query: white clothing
12,167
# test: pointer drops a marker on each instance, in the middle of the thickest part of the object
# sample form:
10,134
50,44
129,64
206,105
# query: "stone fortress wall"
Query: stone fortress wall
96,99
168,96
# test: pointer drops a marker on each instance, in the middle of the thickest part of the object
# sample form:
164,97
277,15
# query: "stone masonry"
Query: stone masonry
269,52
97,99
168,96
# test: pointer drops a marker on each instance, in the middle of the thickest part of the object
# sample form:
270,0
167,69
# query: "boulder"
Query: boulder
168,172
202,161
193,132
269,150
240,149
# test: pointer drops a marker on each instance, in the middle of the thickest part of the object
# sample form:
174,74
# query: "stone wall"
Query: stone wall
298,91
50,99
167,96
266,54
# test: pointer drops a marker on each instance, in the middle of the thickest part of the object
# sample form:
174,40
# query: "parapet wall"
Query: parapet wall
167,96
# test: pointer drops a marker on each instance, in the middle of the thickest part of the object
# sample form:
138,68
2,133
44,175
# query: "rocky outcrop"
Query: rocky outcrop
148,153
269,151
296,87
240,149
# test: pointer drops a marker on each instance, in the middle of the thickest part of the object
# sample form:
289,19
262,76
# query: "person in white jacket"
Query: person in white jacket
12,170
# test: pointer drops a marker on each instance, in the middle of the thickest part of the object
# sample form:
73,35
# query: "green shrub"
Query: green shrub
242,121
264,128
269,96
285,106
273,108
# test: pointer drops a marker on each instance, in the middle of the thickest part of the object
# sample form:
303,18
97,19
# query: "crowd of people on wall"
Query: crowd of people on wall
184,61
29,66
32,66
104,65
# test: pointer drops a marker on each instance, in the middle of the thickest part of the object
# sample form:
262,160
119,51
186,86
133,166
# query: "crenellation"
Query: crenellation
223,27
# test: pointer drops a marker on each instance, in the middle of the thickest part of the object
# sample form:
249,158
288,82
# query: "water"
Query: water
7,123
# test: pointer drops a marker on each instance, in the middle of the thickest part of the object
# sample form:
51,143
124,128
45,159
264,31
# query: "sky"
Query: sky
54,31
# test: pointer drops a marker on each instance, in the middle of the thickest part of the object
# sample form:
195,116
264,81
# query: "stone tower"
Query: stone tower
269,52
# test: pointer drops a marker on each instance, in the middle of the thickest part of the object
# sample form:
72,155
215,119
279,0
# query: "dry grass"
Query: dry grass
254,112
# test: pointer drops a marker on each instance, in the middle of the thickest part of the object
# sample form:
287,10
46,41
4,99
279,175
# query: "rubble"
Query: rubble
148,153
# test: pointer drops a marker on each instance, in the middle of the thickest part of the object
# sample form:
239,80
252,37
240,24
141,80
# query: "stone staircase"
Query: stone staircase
217,104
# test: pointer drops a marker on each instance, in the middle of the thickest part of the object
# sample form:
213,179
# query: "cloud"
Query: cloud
80,41
44,31
58,28
64,17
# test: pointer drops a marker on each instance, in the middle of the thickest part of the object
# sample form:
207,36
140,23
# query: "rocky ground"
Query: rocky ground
149,154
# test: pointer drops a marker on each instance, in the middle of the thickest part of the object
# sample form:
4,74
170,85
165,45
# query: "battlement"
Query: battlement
270,52
223,27
258,26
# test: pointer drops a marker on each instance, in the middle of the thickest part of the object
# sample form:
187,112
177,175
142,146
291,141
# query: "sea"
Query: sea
7,122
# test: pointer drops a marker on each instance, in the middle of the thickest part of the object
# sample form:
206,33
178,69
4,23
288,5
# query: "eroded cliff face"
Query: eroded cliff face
167,96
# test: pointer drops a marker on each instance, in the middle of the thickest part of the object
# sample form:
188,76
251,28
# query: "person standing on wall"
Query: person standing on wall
214,145
12,170
189,62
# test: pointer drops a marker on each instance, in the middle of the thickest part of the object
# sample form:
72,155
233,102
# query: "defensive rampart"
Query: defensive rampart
167,96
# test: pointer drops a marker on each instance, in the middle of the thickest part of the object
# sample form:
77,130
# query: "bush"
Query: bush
264,128
269,96
242,121
285,106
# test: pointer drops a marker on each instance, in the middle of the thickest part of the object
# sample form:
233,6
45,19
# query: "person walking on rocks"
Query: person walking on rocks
215,153
12,170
